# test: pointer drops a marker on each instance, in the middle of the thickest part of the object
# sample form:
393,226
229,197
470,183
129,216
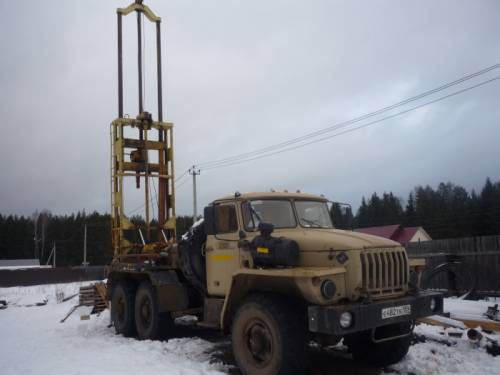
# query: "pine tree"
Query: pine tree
487,204
410,218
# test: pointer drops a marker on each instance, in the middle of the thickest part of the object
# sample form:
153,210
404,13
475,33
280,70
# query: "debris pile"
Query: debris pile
92,296
475,321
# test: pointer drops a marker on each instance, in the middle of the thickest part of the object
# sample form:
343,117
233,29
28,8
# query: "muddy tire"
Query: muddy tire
122,309
382,354
269,336
150,324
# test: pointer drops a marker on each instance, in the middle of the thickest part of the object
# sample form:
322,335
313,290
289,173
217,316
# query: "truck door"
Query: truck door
222,253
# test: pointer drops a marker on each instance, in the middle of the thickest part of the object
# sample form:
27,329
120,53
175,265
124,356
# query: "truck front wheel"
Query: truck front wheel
383,353
122,309
269,337
149,322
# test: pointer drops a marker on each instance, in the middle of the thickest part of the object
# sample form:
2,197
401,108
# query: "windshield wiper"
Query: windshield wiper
311,222
255,213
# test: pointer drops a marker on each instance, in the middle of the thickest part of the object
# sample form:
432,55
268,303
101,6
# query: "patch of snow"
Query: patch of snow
29,295
463,309
35,342
186,320
492,299
22,267
199,222
463,357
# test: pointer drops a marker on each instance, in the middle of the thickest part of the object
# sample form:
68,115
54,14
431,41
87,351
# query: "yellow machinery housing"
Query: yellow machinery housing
142,148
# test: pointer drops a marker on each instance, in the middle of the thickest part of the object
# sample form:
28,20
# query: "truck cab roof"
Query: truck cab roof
271,195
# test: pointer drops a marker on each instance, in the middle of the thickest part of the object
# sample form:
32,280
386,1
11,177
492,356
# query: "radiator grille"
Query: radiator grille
385,271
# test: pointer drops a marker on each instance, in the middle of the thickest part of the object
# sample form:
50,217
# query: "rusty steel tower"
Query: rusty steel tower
142,149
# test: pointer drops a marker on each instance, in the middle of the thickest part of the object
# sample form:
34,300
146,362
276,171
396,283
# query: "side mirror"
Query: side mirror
341,215
209,220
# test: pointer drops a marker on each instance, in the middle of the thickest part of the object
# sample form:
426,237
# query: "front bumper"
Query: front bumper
366,316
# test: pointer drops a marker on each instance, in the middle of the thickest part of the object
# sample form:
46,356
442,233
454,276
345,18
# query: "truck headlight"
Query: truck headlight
328,289
346,319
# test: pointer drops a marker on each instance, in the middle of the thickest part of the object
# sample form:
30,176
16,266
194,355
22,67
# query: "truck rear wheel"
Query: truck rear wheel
269,337
149,322
122,309
383,353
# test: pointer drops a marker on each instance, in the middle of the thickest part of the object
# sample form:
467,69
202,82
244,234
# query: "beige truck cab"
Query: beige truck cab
279,251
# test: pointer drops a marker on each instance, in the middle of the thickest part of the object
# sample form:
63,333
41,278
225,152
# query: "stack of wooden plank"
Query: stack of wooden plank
94,295
469,314
488,325
86,296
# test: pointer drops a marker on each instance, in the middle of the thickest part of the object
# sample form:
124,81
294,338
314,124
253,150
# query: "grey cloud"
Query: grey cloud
241,75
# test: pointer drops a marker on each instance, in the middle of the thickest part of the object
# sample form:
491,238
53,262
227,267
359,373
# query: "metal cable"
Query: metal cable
337,126
356,128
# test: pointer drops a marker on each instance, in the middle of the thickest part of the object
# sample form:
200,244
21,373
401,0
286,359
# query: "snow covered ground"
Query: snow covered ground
462,309
33,341
463,357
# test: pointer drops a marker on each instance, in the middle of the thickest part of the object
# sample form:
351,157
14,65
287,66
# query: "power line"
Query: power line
182,183
336,126
229,163
182,175
179,184
282,147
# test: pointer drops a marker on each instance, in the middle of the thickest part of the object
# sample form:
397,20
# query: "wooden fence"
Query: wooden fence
35,276
472,262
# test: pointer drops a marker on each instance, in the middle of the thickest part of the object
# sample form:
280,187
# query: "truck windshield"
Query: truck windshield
313,214
276,212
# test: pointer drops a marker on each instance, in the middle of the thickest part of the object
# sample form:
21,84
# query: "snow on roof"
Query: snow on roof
19,263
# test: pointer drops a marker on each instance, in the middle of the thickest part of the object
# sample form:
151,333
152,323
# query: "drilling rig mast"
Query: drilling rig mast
148,146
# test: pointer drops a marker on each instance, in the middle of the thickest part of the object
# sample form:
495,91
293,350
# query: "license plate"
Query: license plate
391,312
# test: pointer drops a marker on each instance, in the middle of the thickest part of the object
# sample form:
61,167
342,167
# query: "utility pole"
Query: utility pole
194,172
85,263
44,218
36,215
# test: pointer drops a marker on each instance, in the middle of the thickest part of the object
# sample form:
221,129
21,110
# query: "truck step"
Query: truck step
193,311
209,325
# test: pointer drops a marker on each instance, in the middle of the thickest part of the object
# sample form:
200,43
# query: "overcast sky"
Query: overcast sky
241,75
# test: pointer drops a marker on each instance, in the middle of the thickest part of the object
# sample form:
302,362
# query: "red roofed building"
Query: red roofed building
397,233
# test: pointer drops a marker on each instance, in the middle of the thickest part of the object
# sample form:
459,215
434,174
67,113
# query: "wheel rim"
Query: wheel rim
146,311
258,342
120,309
